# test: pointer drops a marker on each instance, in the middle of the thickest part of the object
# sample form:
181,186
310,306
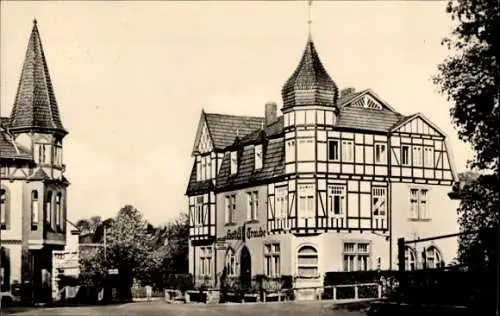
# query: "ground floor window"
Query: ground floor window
410,259
206,261
307,262
356,256
432,258
272,259
230,263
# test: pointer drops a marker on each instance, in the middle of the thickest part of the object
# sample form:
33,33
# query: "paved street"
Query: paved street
160,308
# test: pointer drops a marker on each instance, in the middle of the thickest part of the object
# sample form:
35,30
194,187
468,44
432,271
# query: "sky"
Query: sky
131,79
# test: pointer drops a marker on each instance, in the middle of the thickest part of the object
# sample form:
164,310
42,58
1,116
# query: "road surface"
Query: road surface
157,308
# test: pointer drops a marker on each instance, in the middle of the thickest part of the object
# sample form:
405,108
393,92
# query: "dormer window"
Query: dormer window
234,162
258,157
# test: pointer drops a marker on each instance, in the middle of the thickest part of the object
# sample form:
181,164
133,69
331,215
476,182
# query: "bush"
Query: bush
357,277
181,282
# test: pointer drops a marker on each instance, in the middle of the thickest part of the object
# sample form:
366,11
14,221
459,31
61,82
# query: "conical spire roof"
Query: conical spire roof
310,84
35,107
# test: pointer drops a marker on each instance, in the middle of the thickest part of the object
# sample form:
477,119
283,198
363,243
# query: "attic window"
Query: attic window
258,157
234,162
367,102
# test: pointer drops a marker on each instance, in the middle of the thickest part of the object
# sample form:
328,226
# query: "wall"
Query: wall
442,219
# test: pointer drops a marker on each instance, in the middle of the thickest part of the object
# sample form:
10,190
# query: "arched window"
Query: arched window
410,259
433,257
4,207
307,262
34,210
230,262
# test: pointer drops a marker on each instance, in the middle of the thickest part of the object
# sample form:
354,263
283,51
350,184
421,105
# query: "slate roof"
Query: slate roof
223,128
273,166
9,149
35,105
271,131
310,83
367,119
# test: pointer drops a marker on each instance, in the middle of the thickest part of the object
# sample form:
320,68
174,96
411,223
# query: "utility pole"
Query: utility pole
105,245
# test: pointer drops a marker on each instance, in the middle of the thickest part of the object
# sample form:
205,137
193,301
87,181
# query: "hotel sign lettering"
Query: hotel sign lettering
242,233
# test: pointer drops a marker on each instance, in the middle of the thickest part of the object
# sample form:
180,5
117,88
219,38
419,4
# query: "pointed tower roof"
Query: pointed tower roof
310,84
35,107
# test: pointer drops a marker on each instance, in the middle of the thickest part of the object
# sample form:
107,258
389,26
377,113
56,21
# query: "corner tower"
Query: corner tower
35,124
310,109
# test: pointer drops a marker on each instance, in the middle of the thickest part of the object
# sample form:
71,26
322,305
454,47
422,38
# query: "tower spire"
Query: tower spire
35,106
309,20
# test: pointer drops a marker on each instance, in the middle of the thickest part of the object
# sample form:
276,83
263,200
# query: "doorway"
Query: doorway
245,268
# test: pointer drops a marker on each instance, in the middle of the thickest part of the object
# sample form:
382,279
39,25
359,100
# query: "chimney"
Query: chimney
347,91
271,113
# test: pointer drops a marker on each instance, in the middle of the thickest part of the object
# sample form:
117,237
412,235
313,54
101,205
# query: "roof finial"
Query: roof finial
237,132
34,21
309,21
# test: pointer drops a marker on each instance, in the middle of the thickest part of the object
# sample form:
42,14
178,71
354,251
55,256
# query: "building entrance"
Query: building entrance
245,268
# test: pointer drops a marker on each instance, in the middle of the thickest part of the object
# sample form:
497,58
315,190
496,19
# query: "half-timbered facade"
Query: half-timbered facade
329,185
32,182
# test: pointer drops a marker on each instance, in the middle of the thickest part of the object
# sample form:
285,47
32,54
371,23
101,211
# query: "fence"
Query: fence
434,283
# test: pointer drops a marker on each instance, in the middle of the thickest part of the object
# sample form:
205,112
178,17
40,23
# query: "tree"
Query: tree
136,248
470,78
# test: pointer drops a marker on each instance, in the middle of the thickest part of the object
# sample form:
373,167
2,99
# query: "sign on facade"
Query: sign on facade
113,271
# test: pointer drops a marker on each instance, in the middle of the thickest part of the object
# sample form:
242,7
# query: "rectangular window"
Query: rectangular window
306,201
272,260
198,171
380,153
203,168
252,205
198,211
206,261
3,208
418,204
48,209
405,155
417,156
333,150
336,200
347,151
306,150
290,151
34,209
356,256
234,162
209,167
379,201
58,210
281,202
258,157
230,208
428,157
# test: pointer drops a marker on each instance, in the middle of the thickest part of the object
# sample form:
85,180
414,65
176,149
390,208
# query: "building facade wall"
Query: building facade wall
439,217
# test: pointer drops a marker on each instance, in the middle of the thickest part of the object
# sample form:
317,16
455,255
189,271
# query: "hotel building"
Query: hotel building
330,184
